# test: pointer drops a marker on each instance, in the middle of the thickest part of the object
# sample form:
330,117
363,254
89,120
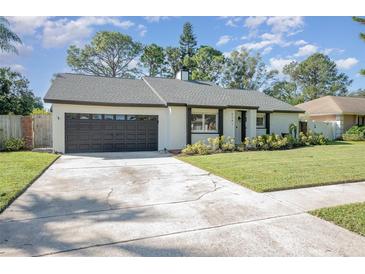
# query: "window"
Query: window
210,122
197,122
108,117
84,116
260,120
119,117
96,116
72,116
131,117
204,122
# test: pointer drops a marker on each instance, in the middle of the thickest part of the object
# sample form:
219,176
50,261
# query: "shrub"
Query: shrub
355,133
14,144
312,138
197,148
276,142
217,144
269,142
37,111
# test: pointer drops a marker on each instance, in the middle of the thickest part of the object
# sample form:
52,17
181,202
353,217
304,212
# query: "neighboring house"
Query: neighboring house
92,114
342,112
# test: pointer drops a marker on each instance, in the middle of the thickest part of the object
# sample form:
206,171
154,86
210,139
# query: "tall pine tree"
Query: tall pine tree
362,35
187,41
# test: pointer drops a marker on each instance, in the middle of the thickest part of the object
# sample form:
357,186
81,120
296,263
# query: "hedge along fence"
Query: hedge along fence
36,130
10,127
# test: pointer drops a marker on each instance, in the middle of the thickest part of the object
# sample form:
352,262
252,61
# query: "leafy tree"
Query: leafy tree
317,76
153,58
187,41
109,54
207,64
359,93
173,61
285,91
15,95
245,71
7,37
362,35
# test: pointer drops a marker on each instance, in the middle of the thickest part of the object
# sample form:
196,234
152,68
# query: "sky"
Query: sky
279,40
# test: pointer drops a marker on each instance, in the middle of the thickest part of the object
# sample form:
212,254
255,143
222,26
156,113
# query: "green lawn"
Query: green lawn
18,170
286,169
351,216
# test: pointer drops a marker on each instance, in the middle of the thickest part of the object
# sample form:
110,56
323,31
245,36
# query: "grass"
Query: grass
18,170
351,216
287,169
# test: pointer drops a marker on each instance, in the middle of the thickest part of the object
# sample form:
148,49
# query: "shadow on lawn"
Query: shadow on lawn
338,143
54,225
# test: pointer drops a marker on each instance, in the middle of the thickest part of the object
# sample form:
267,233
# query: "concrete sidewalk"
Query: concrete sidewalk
306,199
150,204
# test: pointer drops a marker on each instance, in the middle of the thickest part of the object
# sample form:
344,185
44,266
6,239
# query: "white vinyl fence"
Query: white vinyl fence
10,126
327,128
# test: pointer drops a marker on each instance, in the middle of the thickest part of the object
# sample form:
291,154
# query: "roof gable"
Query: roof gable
334,105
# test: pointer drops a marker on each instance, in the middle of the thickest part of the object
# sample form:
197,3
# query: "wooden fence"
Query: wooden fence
42,130
11,126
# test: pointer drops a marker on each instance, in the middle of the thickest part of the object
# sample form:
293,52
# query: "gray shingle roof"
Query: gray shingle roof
200,93
76,88
67,87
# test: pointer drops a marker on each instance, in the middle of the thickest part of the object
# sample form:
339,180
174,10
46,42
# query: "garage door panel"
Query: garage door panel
95,135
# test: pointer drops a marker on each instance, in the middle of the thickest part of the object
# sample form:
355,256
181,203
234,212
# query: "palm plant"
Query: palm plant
7,37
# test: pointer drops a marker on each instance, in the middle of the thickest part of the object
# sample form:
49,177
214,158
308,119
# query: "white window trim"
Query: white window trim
203,123
264,120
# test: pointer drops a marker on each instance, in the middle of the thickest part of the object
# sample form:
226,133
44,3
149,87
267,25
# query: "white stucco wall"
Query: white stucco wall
260,131
202,137
176,132
280,121
251,123
58,119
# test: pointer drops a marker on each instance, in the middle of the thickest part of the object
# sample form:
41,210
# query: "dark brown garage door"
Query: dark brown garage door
109,133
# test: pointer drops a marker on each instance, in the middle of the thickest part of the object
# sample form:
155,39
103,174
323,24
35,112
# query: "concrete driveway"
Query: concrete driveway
150,204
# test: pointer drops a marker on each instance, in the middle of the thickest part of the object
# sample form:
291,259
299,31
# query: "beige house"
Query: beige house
343,112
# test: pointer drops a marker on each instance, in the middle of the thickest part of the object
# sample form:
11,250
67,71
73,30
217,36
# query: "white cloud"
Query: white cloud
155,19
26,25
64,31
285,23
267,50
256,45
300,43
333,50
223,40
232,21
254,21
268,39
142,30
346,63
279,63
306,50
18,68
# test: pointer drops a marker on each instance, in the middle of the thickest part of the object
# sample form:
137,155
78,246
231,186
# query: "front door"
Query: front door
240,126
